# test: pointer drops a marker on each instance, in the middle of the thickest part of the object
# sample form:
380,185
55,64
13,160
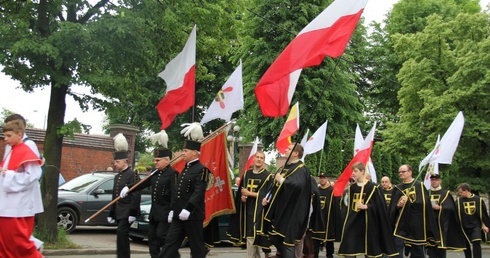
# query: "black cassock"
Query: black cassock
414,222
290,204
242,222
328,213
366,232
452,237
472,213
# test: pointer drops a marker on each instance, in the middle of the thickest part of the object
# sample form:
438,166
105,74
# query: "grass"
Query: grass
63,241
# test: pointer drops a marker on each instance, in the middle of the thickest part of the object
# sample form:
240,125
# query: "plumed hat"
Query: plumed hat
193,132
121,147
160,138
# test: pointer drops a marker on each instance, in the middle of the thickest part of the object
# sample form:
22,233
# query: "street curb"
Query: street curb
62,252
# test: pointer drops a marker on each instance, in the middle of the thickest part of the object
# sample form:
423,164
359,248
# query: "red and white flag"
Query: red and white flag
251,156
180,76
317,141
290,127
358,140
361,156
228,100
327,35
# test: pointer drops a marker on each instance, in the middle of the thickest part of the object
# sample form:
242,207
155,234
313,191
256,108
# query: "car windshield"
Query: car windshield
81,183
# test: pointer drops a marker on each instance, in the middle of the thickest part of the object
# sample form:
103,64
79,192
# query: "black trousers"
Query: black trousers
178,231
434,252
157,232
329,247
476,249
122,240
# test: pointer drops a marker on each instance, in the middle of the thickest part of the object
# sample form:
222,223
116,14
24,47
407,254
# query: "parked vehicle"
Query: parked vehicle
83,196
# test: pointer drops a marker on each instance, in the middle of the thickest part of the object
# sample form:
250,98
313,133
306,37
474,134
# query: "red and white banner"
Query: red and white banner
327,35
180,76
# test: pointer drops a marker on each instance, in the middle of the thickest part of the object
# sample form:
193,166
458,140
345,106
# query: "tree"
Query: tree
269,27
117,50
334,166
445,71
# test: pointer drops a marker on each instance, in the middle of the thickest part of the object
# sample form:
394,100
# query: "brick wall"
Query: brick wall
83,153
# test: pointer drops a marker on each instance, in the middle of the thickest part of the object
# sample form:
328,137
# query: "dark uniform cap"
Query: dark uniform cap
322,175
192,145
120,155
435,176
162,152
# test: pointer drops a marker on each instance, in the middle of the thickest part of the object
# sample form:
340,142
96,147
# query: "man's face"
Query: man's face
385,183
190,155
289,150
161,163
323,181
463,193
259,160
12,138
357,174
435,182
404,173
120,164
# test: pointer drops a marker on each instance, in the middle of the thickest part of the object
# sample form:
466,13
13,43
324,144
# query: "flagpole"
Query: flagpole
320,166
173,161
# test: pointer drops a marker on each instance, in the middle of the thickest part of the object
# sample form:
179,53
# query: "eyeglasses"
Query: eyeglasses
402,171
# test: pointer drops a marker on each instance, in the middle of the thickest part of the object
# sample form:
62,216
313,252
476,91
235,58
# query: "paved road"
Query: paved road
101,242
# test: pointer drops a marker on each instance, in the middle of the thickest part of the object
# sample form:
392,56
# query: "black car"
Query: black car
83,196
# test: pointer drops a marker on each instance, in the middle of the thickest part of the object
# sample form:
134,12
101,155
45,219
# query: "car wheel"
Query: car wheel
136,239
67,219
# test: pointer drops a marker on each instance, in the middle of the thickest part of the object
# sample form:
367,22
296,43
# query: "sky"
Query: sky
34,106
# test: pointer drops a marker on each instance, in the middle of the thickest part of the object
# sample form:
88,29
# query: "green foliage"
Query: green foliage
334,166
62,242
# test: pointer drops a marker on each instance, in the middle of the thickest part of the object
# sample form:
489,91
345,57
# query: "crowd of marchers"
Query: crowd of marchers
298,216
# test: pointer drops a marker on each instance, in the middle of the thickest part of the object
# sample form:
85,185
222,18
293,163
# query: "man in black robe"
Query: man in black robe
161,182
364,230
410,215
452,237
241,229
474,218
289,203
329,215
386,189
187,214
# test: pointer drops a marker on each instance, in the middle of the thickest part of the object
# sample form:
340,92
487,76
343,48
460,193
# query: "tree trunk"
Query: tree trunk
53,143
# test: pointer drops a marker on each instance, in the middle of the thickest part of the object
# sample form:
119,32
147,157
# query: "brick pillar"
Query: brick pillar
129,131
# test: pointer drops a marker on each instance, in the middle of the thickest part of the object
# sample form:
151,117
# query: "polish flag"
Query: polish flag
327,35
228,100
361,156
358,140
251,156
180,76
290,127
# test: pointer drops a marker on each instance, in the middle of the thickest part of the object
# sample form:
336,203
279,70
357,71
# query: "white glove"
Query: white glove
170,216
124,192
184,214
111,220
131,219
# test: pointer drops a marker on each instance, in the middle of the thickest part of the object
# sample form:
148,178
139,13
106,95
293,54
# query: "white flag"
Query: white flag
305,139
427,158
444,151
228,100
317,140
433,169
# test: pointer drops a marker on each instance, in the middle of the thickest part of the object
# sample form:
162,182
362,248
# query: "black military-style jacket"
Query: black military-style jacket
189,190
161,182
129,206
